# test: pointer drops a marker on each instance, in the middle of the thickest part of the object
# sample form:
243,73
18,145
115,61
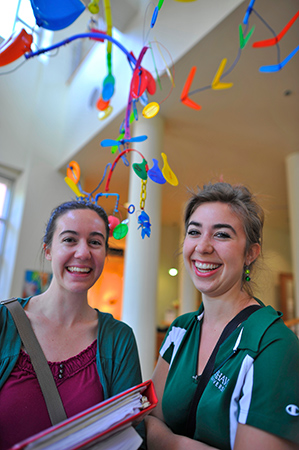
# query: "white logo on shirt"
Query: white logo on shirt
293,410
220,381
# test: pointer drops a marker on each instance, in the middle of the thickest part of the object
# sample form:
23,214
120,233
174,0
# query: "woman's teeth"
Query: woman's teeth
79,269
205,266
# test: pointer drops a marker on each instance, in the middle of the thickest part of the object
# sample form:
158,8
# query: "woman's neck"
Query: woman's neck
219,311
62,307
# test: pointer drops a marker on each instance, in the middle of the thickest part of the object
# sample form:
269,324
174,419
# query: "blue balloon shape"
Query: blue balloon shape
108,91
56,14
155,173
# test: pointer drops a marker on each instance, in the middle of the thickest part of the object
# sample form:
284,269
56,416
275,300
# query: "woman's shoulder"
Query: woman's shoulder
184,320
272,319
187,318
265,327
108,324
182,324
278,328
115,339
4,309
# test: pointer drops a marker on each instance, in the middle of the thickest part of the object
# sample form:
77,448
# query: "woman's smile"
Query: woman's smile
78,269
214,249
206,269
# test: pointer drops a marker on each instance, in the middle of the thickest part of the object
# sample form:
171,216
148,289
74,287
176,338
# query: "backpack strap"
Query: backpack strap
40,364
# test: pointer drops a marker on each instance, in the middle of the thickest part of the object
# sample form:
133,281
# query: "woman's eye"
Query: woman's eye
68,239
193,232
222,234
96,243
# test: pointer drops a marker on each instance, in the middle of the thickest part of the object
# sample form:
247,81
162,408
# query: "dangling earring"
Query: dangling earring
247,273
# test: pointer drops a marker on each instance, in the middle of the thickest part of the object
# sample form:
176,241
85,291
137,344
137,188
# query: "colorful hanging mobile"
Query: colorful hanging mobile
244,36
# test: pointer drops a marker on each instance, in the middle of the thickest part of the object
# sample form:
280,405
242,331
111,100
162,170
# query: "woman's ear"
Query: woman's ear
252,254
47,251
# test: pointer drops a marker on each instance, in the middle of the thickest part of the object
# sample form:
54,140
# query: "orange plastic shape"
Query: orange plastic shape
14,47
102,104
191,104
184,96
73,171
276,39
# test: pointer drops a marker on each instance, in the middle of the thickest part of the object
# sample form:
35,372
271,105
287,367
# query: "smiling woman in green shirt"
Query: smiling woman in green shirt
251,400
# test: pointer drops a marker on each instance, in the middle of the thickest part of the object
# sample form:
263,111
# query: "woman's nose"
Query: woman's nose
204,245
82,251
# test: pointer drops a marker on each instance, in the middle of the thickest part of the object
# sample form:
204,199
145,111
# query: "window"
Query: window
6,184
17,15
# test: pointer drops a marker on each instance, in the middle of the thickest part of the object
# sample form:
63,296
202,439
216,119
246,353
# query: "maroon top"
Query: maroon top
23,411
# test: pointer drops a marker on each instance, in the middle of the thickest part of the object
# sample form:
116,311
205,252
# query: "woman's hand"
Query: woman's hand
159,436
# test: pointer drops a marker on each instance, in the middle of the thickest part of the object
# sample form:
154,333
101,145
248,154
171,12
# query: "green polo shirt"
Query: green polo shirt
255,379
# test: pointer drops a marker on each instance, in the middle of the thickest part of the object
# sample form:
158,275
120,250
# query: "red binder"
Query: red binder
94,416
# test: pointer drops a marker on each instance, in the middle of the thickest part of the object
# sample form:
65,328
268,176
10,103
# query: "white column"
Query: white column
292,163
142,255
188,294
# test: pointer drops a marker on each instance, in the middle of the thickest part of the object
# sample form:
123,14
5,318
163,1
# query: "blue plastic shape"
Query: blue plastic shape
108,91
154,16
155,173
277,67
56,14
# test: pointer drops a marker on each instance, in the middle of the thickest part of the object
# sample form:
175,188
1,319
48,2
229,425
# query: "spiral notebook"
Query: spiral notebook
105,425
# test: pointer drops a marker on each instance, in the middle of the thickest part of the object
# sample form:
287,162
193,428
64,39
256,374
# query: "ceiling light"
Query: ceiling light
173,272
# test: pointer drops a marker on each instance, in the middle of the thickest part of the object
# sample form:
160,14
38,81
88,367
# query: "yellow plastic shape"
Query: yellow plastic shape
93,7
108,17
151,110
74,187
216,84
106,113
168,173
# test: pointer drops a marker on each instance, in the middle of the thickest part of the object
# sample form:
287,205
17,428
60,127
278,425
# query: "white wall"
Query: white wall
38,190
45,190
276,259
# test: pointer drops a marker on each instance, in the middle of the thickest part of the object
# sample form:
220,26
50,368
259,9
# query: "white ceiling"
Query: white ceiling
242,134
